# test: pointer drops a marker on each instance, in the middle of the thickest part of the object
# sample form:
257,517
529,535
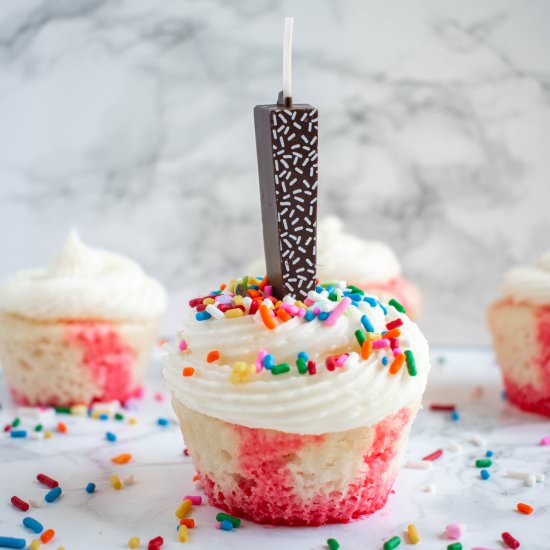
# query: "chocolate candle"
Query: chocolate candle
287,150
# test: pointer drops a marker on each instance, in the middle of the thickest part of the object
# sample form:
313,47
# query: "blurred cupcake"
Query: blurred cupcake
520,325
79,331
297,413
370,265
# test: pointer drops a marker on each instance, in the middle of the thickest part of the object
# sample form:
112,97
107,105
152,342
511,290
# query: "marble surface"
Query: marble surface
108,518
132,120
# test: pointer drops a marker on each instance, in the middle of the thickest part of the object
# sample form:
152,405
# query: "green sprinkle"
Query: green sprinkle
38,428
360,336
119,416
280,369
356,290
393,302
411,362
455,546
333,544
16,422
394,542
235,521
302,365
483,462
326,284
333,297
63,410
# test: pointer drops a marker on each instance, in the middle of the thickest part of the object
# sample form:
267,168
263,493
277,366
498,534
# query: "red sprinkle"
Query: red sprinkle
20,503
7,427
201,307
155,543
47,481
254,307
311,367
509,540
61,427
394,324
186,451
434,456
330,362
439,407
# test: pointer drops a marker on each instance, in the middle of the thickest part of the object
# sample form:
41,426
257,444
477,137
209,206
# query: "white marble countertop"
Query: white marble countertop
163,475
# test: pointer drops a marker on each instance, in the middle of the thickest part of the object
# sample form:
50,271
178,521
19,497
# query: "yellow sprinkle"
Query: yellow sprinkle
184,508
116,483
232,285
412,531
207,301
132,421
373,336
133,542
48,435
238,299
183,533
78,410
60,548
278,303
34,545
300,304
241,371
235,312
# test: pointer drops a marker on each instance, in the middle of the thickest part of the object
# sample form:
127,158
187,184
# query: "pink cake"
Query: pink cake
288,419
520,325
81,330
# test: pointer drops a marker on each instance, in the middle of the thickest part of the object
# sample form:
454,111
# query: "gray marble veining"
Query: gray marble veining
133,122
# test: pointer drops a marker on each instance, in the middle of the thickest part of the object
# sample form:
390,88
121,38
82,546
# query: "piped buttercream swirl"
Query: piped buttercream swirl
529,283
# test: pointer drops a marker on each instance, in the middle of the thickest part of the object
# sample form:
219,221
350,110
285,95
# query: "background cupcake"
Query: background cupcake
80,330
520,325
297,413
370,265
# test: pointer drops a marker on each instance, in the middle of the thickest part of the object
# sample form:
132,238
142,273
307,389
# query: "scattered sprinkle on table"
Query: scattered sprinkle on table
163,421
122,459
11,542
484,474
47,481
116,484
32,524
525,508
90,488
455,546
433,456
333,544
509,540
20,503
235,521
47,535
184,508
53,495
110,436
412,532
454,531
134,542
394,542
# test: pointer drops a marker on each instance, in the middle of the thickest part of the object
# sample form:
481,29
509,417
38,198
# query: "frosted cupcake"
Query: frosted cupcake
520,325
370,265
297,413
80,330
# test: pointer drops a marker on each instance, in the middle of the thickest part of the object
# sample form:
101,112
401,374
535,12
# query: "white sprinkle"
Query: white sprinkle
453,445
215,312
419,464
476,439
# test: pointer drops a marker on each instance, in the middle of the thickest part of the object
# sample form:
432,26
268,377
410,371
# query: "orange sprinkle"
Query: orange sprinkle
162,341
283,315
397,363
223,286
122,459
366,349
188,371
269,322
188,522
253,293
525,508
212,356
263,283
393,333
62,428
196,477
47,535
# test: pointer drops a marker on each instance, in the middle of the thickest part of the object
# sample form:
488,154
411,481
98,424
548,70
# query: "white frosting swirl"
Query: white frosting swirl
84,283
360,393
529,284
341,255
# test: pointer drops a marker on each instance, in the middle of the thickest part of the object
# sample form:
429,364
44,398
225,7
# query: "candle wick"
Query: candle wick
287,61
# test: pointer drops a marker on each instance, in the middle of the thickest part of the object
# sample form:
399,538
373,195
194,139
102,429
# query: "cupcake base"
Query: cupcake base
521,338
64,363
280,478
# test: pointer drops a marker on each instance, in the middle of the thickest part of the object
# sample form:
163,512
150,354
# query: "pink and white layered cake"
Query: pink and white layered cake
79,331
297,413
520,325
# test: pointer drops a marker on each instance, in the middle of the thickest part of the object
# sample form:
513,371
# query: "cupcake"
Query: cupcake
520,326
370,265
297,413
79,331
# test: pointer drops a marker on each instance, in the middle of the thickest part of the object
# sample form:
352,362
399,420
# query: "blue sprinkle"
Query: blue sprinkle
356,304
110,436
365,321
255,287
103,416
355,297
269,361
323,316
202,315
163,421
371,301
10,542
33,525
485,475
383,307
18,433
303,355
504,395
53,494
319,289
226,525
329,289
489,454
90,488
309,316
384,361
455,417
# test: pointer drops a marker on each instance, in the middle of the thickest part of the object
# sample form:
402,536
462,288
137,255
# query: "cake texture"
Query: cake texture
297,413
520,327
81,330
371,265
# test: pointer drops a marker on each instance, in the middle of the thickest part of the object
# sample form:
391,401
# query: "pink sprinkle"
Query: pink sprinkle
290,308
301,312
183,345
454,530
260,360
159,397
545,440
382,343
268,289
338,311
397,351
218,525
308,302
341,359
195,499
316,310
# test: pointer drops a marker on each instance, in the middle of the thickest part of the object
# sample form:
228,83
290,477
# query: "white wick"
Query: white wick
287,57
